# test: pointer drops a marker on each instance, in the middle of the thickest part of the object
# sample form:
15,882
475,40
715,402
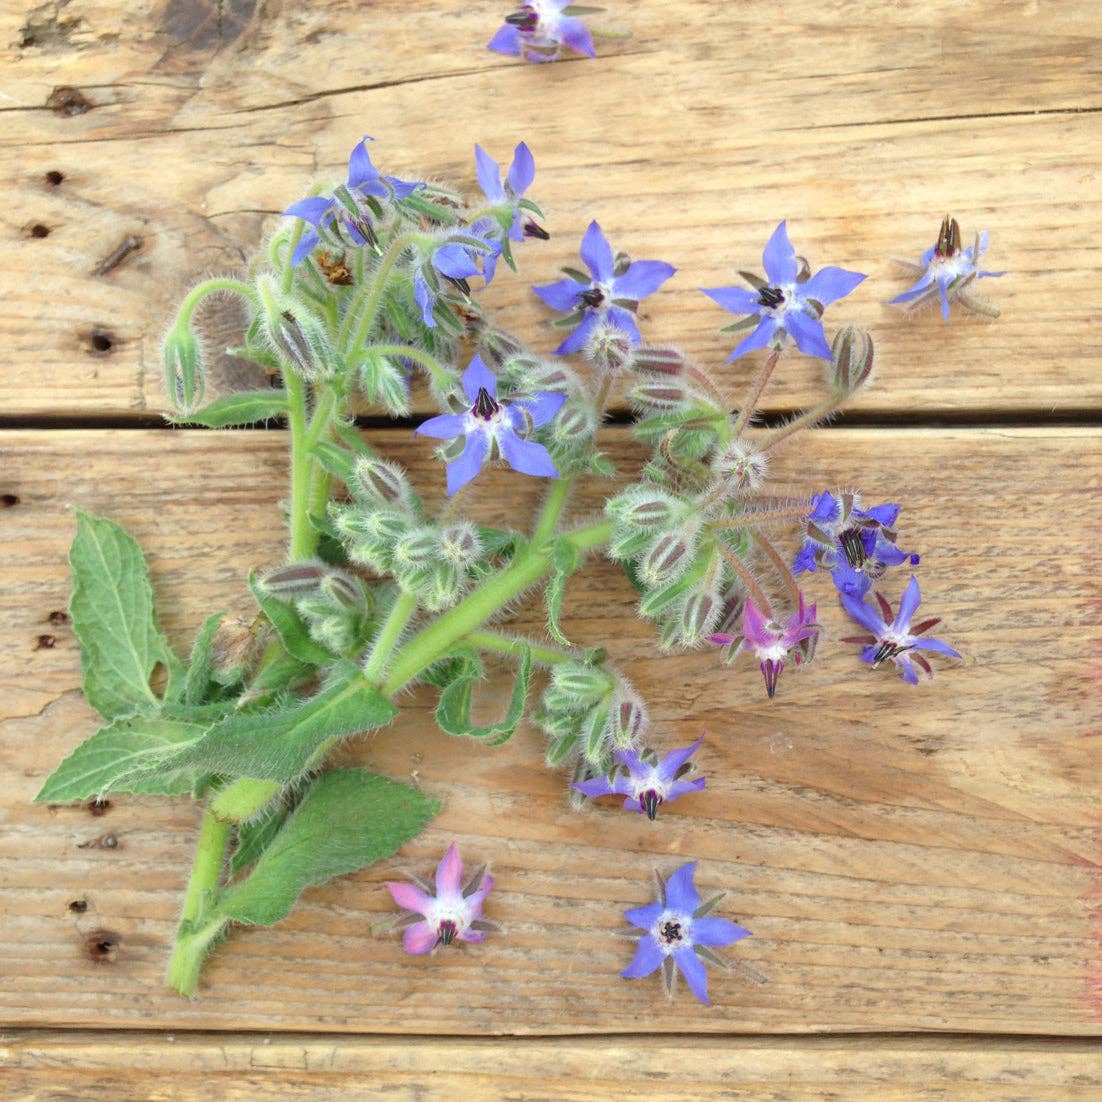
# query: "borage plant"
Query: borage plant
367,283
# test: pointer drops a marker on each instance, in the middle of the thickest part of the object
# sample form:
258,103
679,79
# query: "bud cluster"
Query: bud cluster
334,604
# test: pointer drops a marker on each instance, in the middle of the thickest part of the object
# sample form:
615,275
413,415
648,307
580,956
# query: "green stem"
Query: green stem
372,294
188,955
214,834
552,508
430,363
806,420
401,613
303,536
212,287
512,645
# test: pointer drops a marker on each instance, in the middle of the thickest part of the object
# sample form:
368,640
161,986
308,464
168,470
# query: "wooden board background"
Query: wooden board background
908,860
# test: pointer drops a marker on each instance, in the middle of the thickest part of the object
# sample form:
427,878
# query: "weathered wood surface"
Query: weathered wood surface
907,859
860,122
146,1067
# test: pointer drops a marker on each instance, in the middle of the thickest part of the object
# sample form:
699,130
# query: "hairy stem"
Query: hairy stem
369,299
748,580
511,645
383,648
753,395
806,420
784,571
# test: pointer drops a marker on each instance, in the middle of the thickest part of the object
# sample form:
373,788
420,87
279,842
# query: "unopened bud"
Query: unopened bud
441,589
608,348
699,617
657,361
296,580
460,544
383,481
343,590
628,721
665,559
183,362
300,340
560,748
574,426
853,359
652,509
741,467
657,396
232,650
417,549
497,346
582,685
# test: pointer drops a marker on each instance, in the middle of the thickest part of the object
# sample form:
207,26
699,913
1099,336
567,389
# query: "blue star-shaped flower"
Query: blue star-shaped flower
646,782
611,296
491,423
540,30
785,305
678,934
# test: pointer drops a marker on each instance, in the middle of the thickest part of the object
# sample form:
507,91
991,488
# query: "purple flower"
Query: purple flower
679,936
344,207
785,304
452,260
771,643
453,912
611,296
896,641
857,545
489,422
645,781
540,30
949,269
506,201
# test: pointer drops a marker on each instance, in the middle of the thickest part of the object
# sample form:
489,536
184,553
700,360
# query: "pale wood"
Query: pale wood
906,858
861,122
147,1067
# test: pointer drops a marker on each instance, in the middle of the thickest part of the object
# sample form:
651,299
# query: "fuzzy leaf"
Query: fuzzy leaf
453,712
199,681
243,408
291,628
277,745
254,836
565,558
113,617
349,819
339,462
126,756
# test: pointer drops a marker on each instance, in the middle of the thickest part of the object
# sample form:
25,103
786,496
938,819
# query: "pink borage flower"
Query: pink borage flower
453,912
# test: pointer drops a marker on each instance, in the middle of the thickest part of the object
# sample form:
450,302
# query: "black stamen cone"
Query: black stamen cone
484,405
534,229
447,932
650,801
592,297
526,20
771,296
854,547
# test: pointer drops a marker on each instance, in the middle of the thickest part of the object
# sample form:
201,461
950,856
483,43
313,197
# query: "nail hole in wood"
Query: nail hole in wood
78,906
101,341
53,177
9,501
39,230
102,946
59,617
45,642
68,101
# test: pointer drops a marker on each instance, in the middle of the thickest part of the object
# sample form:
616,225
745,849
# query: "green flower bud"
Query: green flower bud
666,362
417,549
699,616
298,579
853,359
383,481
628,720
560,748
596,738
608,349
183,360
580,684
300,340
665,559
343,591
646,507
741,467
460,544
657,396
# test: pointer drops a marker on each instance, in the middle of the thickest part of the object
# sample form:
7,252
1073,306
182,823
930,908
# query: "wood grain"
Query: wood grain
906,859
862,123
148,1067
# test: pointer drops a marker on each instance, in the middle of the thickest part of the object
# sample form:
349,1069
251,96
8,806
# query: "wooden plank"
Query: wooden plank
907,859
861,129
144,1067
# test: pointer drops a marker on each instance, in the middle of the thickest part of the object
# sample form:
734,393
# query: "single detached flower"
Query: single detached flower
856,545
895,639
490,423
324,212
773,644
612,295
453,912
785,304
540,29
645,781
947,270
679,936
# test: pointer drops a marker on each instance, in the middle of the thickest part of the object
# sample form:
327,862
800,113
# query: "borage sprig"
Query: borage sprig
367,284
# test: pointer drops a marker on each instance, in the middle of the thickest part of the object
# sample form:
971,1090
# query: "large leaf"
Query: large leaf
113,617
277,745
126,756
244,408
350,818
453,712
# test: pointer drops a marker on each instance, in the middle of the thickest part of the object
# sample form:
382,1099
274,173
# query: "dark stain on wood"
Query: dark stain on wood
205,26
102,946
68,101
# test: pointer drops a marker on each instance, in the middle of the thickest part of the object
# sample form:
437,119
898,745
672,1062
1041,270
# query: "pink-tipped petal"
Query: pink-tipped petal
419,939
449,873
408,897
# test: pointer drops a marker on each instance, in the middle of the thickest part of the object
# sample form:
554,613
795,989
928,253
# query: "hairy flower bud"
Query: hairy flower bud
657,361
853,359
741,467
301,341
608,348
580,684
497,346
343,590
460,544
417,549
573,428
184,378
296,580
699,616
646,508
386,482
628,720
657,396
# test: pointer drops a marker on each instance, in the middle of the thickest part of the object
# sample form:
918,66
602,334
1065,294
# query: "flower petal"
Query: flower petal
449,873
506,40
409,896
307,243
760,337
463,469
779,257
575,34
360,169
716,931
648,958
489,175
561,296
864,614
597,253
445,427
423,296
683,788
578,338
595,786
642,278
675,759
908,605
736,299
522,171
478,377
625,320
830,284
544,405
692,968
935,645
311,209
681,893
454,261
526,456
419,938
755,627
644,917
808,334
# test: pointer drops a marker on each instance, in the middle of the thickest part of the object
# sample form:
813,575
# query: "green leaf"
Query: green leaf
277,745
254,836
126,756
291,628
453,712
113,617
199,680
350,818
565,558
339,462
244,408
